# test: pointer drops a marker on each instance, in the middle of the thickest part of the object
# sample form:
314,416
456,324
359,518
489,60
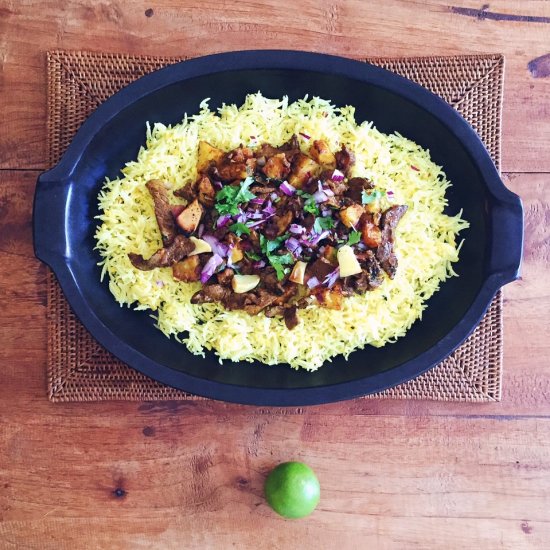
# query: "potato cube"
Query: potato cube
231,171
330,254
347,261
351,215
207,193
330,298
276,167
190,218
321,153
236,254
303,168
187,270
371,235
208,155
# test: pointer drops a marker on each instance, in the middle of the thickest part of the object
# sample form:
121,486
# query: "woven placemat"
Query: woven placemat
79,369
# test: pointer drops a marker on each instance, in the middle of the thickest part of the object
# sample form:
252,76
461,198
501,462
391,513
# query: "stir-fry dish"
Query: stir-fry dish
271,230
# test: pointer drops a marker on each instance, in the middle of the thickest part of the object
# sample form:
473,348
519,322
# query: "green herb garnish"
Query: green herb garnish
367,198
239,228
268,246
310,205
354,238
229,198
253,256
323,223
278,262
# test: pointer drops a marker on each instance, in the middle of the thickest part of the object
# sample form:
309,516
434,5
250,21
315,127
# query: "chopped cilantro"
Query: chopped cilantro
280,271
244,195
253,256
311,207
263,243
323,223
284,259
229,198
268,246
273,245
225,201
354,238
278,261
367,198
239,228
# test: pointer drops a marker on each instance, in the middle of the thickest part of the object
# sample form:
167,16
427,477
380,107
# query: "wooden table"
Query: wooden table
394,474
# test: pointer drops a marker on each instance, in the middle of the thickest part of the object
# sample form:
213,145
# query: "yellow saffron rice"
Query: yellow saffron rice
425,244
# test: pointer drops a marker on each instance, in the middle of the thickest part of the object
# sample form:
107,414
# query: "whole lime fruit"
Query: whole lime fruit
292,490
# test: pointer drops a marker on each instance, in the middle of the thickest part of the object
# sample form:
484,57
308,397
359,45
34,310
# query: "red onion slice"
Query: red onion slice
320,237
319,197
287,189
313,282
332,277
293,245
218,248
269,209
241,217
297,229
223,220
337,176
211,265
255,215
259,222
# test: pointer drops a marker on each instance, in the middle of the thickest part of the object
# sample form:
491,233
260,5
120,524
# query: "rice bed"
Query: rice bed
426,240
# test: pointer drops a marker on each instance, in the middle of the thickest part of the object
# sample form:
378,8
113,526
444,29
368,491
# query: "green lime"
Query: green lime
292,490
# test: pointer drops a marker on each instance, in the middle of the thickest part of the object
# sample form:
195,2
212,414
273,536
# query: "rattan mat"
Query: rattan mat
79,369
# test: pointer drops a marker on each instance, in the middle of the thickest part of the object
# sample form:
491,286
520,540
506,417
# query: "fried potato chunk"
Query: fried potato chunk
188,270
207,156
322,154
190,218
303,168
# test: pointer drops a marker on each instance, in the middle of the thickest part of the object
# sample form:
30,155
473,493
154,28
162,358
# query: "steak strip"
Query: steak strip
164,257
163,212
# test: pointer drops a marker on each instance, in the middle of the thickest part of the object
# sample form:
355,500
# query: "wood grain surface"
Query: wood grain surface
394,474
